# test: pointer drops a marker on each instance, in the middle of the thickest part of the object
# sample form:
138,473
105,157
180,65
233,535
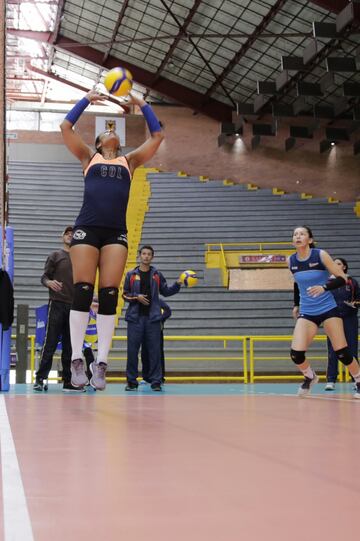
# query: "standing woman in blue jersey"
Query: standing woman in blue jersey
312,268
100,233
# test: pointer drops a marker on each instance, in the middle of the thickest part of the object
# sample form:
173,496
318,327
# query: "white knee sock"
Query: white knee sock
105,328
308,372
357,377
78,324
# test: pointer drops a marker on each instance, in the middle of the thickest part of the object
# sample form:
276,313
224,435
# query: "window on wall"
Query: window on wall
50,121
22,120
33,121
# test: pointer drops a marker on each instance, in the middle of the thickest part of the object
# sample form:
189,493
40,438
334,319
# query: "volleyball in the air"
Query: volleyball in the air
118,82
188,278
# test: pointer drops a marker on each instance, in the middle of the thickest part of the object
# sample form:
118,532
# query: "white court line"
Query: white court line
17,525
333,398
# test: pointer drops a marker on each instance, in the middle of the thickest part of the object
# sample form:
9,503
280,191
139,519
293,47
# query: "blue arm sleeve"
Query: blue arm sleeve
150,117
75,113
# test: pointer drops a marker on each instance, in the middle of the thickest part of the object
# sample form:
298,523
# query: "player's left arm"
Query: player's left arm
146,151
333,283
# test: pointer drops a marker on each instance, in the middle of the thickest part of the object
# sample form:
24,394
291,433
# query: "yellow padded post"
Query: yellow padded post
137,208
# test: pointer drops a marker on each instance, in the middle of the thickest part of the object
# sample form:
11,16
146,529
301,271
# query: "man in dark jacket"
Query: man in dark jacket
347,298
58,279
141,289
165,314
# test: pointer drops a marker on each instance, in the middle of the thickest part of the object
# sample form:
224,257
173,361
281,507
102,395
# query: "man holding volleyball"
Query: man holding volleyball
141,289
100,232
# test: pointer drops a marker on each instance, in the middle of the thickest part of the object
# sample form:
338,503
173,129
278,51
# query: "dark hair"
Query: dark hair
310,233
344,262
147,247
98,141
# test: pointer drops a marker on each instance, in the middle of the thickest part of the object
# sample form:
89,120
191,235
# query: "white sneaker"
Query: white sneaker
98,371
78,374
305,387
357,392
330,386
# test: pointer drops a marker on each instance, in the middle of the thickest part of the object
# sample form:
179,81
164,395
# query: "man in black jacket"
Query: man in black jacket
7,300
142,287
58,279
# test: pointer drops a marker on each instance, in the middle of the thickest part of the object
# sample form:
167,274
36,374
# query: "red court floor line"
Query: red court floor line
201,468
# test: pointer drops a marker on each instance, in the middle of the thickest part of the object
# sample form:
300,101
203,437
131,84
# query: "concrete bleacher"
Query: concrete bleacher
44,198
184,215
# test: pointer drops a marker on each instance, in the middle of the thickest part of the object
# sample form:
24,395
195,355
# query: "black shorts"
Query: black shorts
320,318
98,236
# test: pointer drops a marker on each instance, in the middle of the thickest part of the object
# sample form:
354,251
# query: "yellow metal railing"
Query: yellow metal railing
225,255
248,358
224,339
257,246
271,377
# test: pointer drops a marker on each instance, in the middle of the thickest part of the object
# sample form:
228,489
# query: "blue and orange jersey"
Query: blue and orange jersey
307,273
106,194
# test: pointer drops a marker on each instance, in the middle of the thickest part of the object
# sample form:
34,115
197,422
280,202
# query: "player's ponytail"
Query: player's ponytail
97,144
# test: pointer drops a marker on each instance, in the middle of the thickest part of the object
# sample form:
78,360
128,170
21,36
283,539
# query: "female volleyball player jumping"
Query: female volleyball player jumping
100,234
312,268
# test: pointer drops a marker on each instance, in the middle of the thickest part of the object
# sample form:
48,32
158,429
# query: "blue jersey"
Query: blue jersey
311,272
106,195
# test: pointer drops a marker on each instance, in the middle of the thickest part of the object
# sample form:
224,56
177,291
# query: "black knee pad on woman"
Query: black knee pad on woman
344,356
83,296
297,356
108,299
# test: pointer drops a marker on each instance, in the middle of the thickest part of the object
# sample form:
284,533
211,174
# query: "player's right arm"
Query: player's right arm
48,274
72,139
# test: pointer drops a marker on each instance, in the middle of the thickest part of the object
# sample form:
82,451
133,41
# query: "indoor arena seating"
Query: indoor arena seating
45,198
185,215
